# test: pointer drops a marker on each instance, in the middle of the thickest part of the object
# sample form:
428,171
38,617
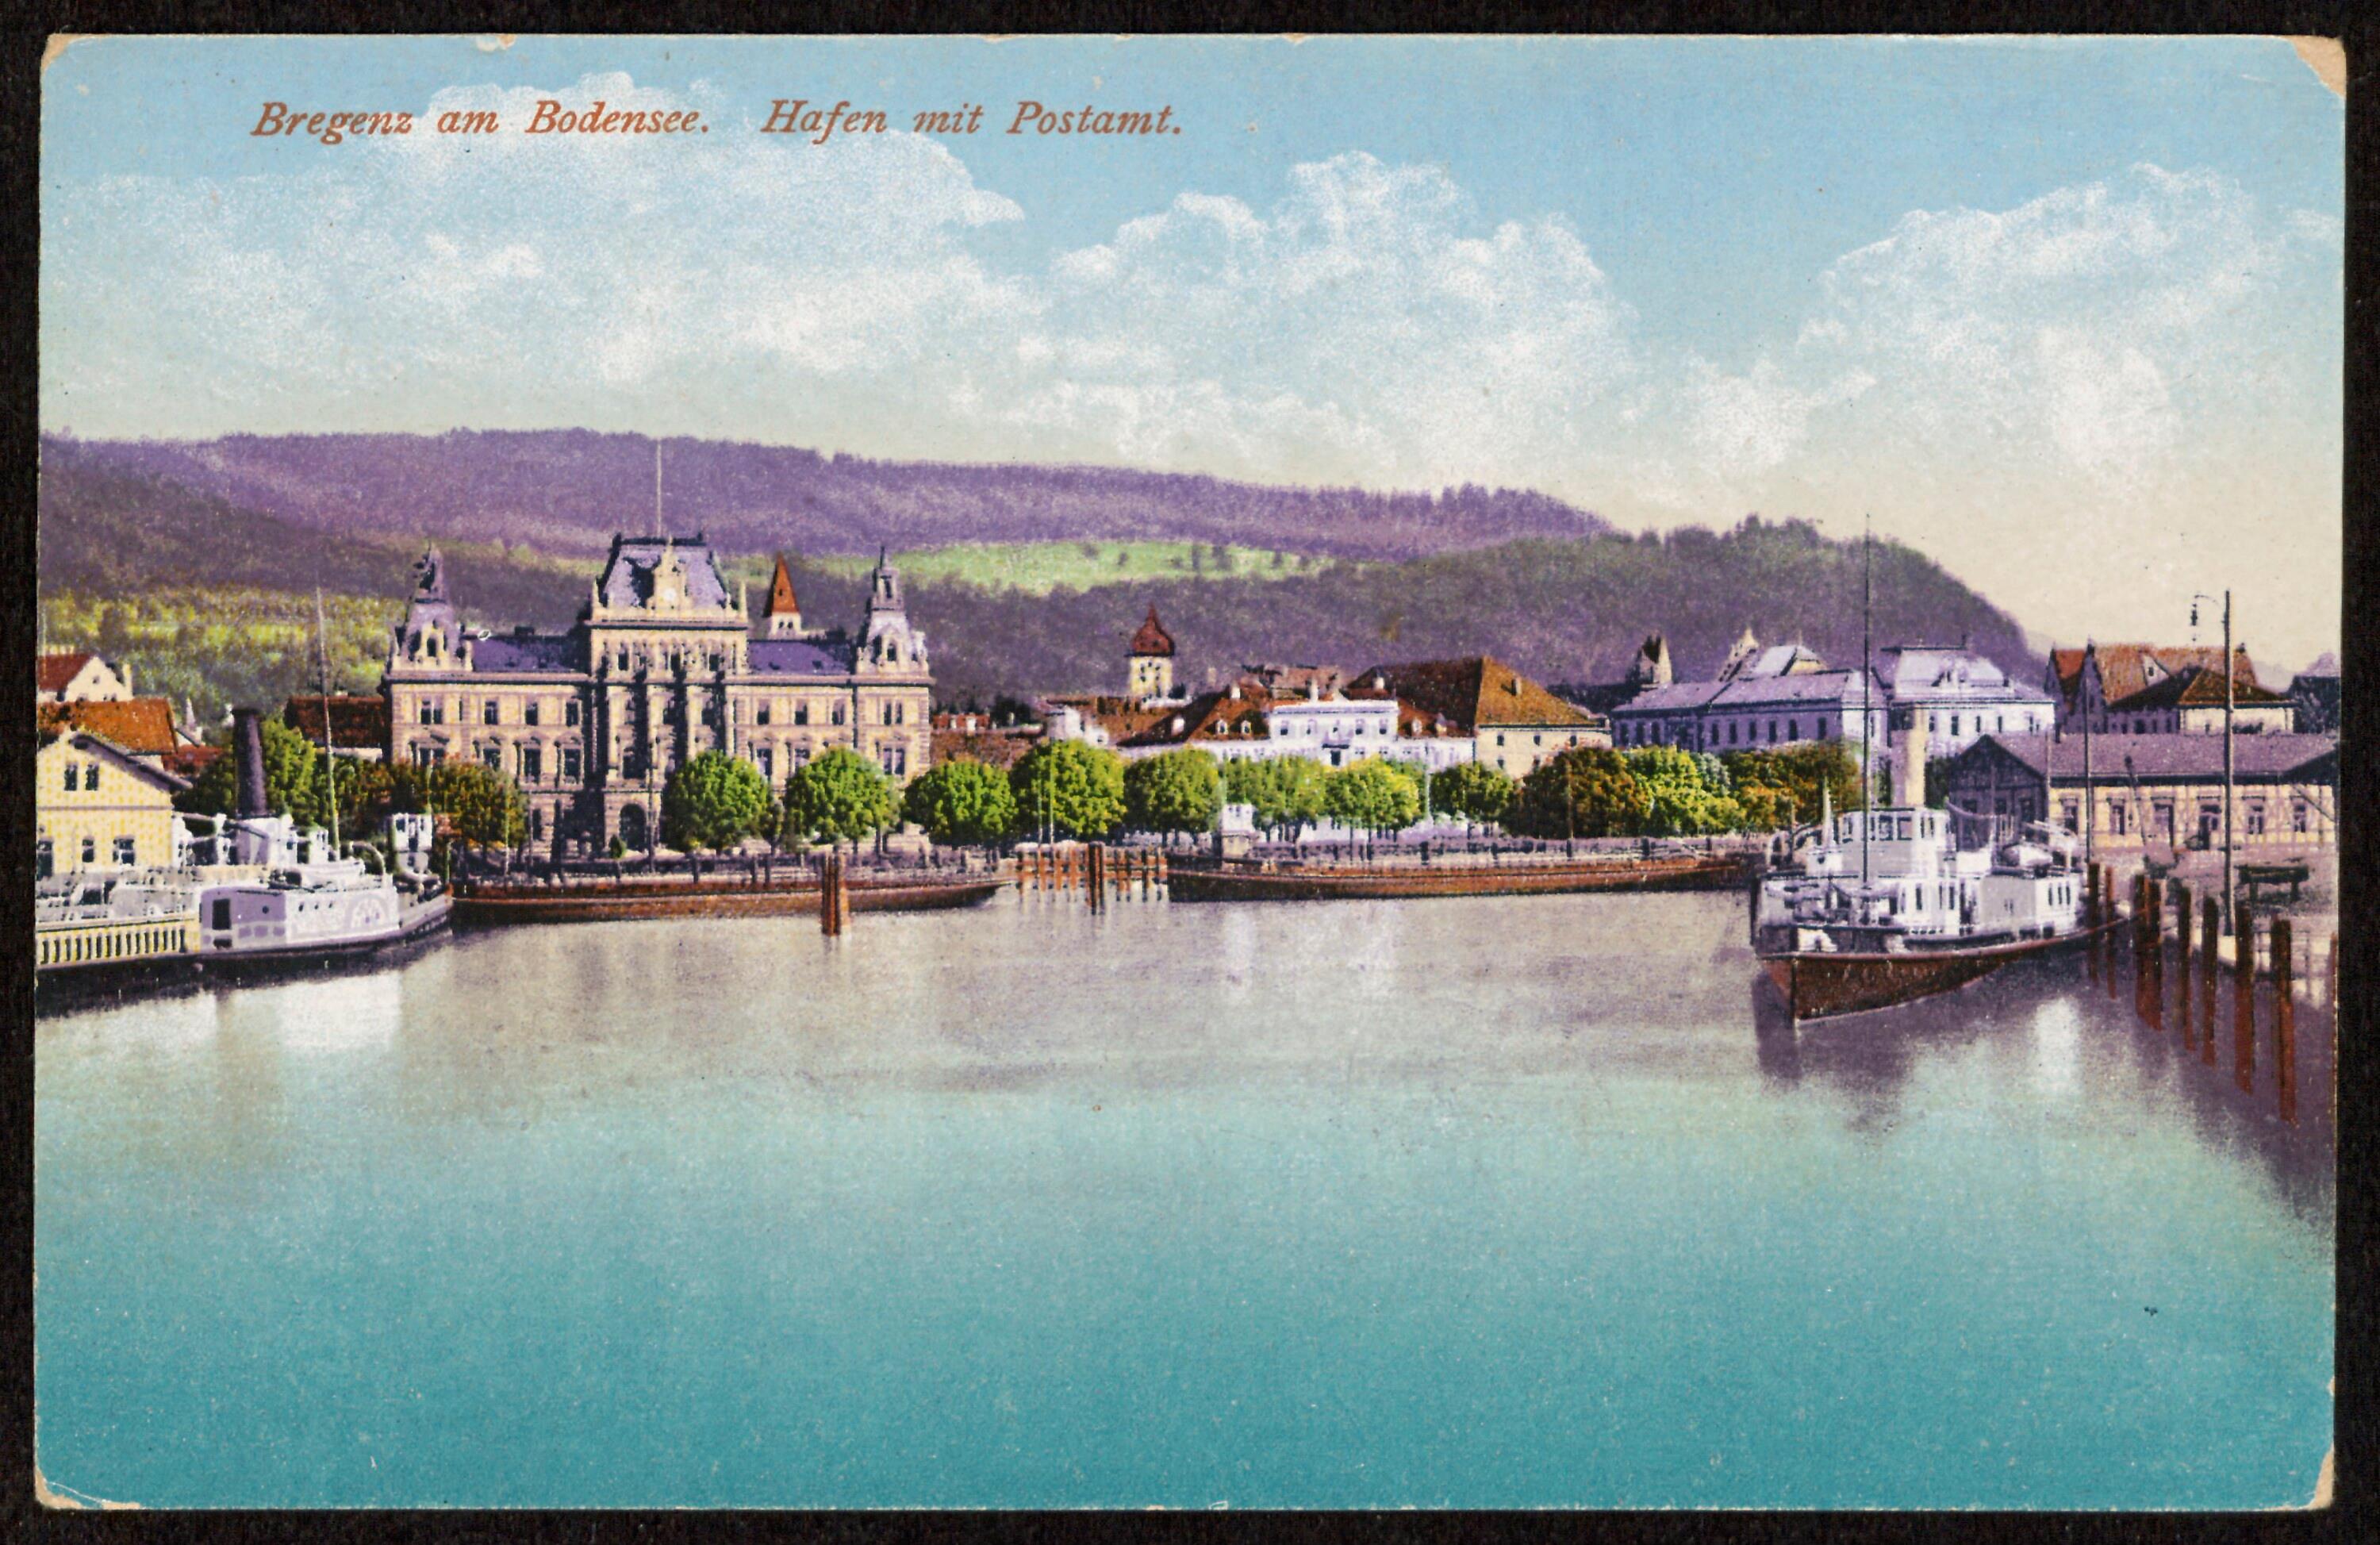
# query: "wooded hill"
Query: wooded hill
1563,611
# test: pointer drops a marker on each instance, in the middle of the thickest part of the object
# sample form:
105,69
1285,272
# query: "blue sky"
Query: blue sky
2064,314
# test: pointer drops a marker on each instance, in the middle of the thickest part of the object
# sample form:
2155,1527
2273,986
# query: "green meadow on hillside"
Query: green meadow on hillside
1039,567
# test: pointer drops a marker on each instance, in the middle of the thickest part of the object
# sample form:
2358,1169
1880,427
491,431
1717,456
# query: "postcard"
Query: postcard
1514,772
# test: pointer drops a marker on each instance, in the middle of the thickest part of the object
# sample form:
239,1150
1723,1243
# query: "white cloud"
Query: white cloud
2056,331
1363,328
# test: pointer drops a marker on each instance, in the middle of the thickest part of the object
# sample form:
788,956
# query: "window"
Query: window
766,760
2070,812
91,850
1954,724
1500,737
570,713
1536,740
2115,817
801,713
488,711
532,763
432,713
493,757
90,777
2255,818
427,756
837,716
570,764
71,770
801,756
623,659
895,760
537,826
45,858
125,853
2301,817
761,714
529,712
1793,729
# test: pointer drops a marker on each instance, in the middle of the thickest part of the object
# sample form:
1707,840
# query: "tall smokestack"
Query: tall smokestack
247,746
1911,753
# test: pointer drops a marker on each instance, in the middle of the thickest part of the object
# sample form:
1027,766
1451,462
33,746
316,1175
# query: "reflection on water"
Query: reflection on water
1472,1201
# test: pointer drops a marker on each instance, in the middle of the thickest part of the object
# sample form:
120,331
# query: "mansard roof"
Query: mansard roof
526,651
628,573
829,654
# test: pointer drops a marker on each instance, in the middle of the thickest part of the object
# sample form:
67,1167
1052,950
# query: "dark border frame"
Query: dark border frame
2359,1068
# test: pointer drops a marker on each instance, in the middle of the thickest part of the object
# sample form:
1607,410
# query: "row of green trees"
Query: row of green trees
1066,789
480,806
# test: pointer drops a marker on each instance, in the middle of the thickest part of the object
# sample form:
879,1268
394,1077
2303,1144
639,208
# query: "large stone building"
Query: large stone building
1777,695
1964,696
663,662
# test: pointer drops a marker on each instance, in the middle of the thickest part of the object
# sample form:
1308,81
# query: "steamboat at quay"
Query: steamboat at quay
1882,907
254,892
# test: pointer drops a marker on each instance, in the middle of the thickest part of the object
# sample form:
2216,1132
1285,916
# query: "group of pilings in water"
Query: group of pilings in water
2274,960
1095,868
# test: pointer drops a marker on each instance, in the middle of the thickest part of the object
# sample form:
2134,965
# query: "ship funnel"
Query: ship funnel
1910,755
247,748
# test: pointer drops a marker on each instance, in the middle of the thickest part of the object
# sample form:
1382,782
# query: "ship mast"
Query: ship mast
330,760
1867,679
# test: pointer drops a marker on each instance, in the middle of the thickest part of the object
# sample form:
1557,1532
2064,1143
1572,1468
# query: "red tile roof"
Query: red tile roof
1473,693
2196,686
144,726
189,762
2125,669
360,724
1001,749
53,670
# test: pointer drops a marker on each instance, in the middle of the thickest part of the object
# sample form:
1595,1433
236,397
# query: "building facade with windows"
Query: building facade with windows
662,663
1964,696
2161,793
98,806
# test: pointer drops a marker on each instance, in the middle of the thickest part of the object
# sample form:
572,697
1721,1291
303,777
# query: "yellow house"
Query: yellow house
97,806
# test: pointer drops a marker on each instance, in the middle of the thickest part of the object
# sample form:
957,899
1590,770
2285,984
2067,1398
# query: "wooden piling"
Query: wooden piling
833,899
1094,875
2284,1020
2243,1001
2210,919
2181,921
2152,963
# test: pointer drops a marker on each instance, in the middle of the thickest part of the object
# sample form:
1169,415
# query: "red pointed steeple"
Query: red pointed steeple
781,592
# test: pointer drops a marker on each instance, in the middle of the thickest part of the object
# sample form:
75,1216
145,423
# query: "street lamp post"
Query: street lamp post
2230,703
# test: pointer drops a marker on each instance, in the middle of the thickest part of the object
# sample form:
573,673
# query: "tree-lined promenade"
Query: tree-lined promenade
1068,791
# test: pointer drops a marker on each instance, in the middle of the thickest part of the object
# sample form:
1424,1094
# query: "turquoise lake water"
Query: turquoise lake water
1471,1202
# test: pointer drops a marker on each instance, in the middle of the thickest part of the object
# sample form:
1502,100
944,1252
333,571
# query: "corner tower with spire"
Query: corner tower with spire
1151,661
